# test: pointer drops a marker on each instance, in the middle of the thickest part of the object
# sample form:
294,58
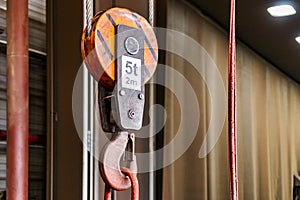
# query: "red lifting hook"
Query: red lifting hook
110,169
134,185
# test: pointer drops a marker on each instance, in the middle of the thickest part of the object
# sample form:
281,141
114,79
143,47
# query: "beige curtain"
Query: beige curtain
268,120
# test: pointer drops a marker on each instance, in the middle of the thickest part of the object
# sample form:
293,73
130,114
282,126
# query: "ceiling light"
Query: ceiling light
298,39
281,10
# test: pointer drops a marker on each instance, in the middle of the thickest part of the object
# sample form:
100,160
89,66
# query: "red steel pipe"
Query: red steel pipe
232,137
17,100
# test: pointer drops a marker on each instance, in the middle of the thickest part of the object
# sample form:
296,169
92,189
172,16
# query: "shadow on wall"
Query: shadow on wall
296,189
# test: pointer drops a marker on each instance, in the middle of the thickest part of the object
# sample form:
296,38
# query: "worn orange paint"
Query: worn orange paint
95,54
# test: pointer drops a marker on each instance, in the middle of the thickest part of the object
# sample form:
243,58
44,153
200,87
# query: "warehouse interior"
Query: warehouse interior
60,166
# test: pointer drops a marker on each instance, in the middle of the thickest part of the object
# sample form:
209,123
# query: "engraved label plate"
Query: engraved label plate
131,73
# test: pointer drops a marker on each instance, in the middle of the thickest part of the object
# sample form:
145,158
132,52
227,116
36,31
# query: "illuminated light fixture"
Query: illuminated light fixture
298,39
281,10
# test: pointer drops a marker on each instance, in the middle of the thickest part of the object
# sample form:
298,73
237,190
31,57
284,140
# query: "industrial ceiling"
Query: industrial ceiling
272,38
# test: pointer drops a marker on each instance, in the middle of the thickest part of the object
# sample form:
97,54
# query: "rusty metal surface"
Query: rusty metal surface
107,192
98,50
17,96
232,134
134,185
110,163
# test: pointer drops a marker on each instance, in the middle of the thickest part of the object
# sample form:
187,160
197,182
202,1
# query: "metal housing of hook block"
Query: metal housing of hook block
128,106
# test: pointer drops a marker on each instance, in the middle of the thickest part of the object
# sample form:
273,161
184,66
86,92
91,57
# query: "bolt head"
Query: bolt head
141,96
132,45
131,114
122,92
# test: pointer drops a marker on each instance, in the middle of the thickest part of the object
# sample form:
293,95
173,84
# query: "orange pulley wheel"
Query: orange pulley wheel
98,49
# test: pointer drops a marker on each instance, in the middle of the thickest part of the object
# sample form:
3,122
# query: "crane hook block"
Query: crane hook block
99,48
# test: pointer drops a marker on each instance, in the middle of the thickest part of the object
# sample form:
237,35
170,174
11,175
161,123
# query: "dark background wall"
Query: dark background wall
64,35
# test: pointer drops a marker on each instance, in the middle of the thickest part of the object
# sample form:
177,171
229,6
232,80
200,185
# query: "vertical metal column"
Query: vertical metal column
17,99
232,137
88,115
152,117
